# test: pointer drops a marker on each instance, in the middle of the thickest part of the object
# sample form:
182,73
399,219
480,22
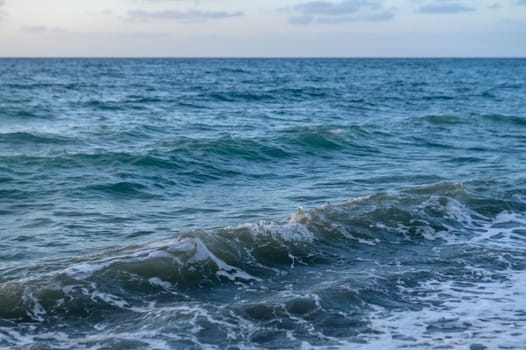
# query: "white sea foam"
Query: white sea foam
357,200
225,270
505,230
83,270
491,314
10,335
292,231
154,281
37,312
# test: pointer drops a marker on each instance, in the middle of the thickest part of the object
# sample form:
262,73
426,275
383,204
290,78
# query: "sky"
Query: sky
263,28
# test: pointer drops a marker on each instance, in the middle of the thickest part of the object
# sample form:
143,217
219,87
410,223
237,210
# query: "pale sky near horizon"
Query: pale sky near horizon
178,28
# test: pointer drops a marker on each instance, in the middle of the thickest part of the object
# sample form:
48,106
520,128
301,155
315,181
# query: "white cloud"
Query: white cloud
37,29
328,8
329,12
445,6
374,17
182,16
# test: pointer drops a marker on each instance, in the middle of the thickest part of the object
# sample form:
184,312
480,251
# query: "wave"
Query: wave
447,119
237,96
123,188
506,119
20,137
442,119
179,152
40,113
151,146
106,105
246,255
269,95
439,98
162,167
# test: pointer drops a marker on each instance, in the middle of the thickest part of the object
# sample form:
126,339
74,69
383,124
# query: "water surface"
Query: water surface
262,203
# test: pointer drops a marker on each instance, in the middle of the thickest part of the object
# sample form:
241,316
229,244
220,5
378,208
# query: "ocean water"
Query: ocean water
262,203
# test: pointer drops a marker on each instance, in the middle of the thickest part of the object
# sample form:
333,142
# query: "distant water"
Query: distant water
262,203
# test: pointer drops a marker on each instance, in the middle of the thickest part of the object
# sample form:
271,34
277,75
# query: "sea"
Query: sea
262,203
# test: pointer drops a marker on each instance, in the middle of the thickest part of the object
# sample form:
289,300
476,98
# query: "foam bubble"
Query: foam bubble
289,232
83,270
154,281
491,314
225,270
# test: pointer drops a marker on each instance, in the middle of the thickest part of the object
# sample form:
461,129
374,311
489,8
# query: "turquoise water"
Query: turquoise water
262,203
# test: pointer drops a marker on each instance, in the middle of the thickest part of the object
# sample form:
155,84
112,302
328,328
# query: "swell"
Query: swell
454,120
270,95
283,144
152,144
276,145
155,150
506,119
41,112
20,137
250,254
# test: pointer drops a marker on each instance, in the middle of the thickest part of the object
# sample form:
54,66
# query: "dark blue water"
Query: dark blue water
262,203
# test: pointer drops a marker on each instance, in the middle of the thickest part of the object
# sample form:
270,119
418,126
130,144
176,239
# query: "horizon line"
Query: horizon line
262,57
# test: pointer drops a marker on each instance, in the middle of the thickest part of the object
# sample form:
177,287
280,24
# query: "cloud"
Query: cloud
3,14
335,9
196,2
445,7
182,16
329,12
521,2
375,17
36,29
